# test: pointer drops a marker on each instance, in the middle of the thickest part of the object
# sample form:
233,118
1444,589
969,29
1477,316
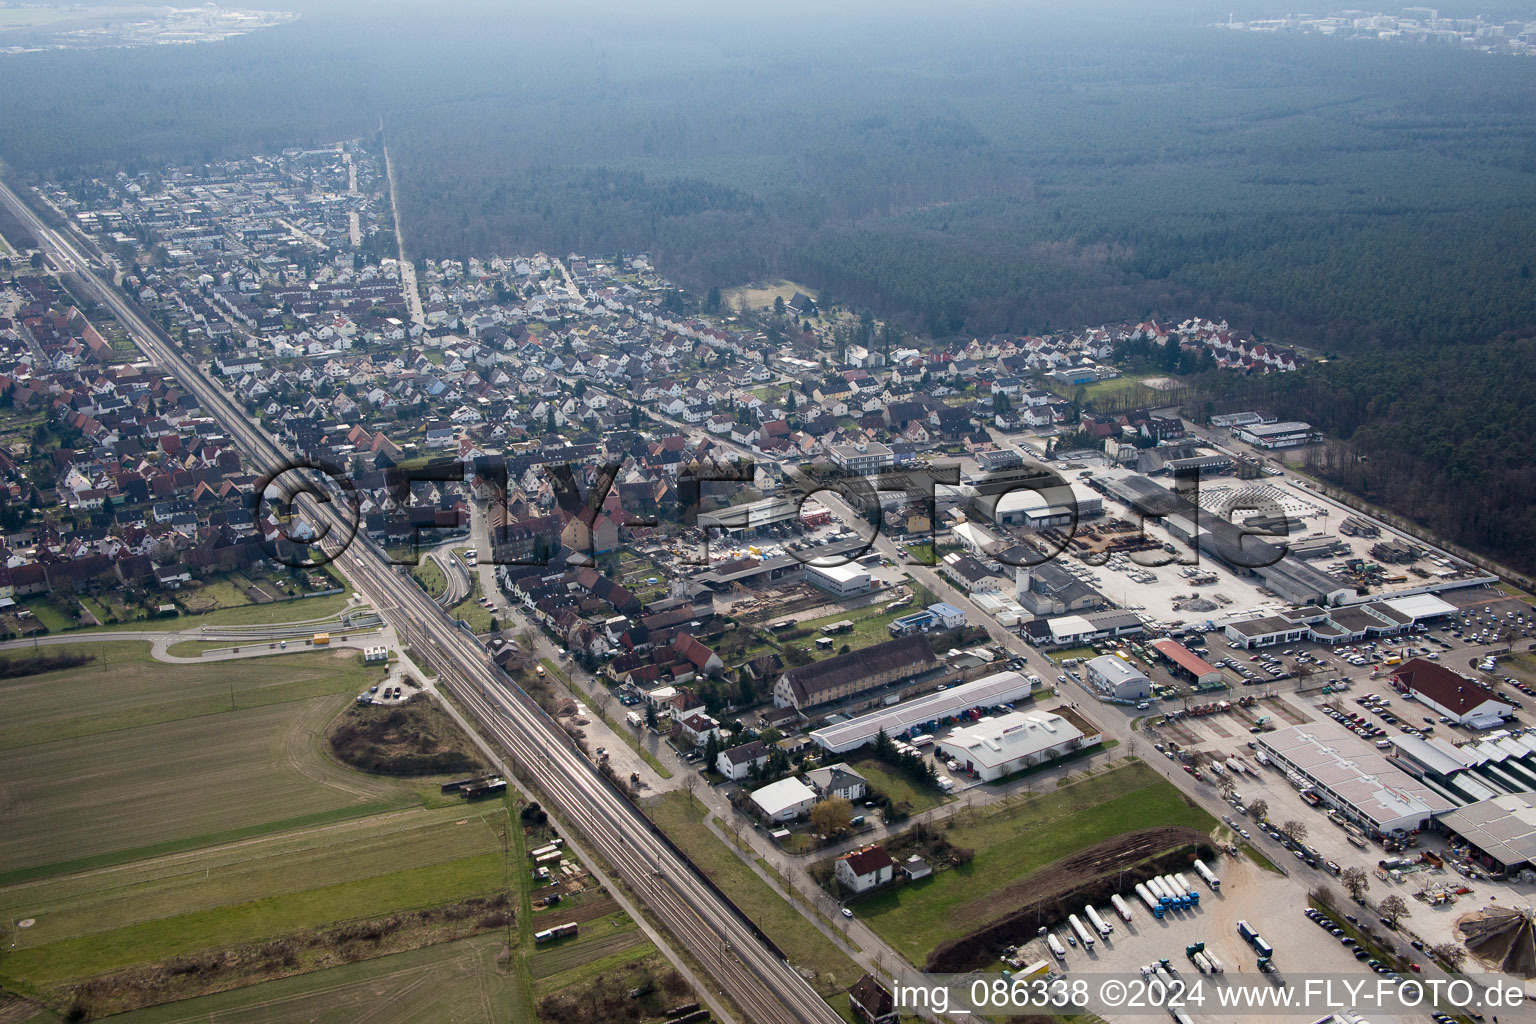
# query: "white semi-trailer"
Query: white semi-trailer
1081,929
1103,927
1150,900
1121,907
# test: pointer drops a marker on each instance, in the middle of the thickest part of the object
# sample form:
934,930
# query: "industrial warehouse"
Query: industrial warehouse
1501,831
1462,700
926,713
1360,783
1187,663
1116,679
993,748
848,674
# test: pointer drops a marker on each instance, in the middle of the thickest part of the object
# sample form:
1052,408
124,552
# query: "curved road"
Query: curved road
161,642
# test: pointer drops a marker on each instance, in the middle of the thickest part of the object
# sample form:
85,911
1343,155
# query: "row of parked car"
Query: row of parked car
1331,926
1358,723
1270,665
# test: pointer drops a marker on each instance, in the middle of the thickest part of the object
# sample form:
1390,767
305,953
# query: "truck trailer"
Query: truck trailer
1083,935
1103,927
1248,932
1121,907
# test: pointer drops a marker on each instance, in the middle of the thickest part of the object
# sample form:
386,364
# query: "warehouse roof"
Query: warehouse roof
1503,827
1183,657
912,652
998,688
1455,693
1340,762
993,742
1115,669
778,797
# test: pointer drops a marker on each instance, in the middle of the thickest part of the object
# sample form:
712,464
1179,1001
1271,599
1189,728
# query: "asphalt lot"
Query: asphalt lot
1264,899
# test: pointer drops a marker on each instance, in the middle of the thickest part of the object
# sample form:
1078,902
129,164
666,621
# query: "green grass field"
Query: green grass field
216,595
362,883
302,610
124,688
869,627
760,294
1014,840
807,948
1252,853
429,576
453,983
68,907
470,609
897,786
125,752
196,648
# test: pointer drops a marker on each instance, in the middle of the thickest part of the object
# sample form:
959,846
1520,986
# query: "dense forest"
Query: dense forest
977,168
965,169
1440,434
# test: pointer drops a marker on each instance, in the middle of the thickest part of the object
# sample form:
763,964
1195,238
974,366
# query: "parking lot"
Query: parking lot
1265,899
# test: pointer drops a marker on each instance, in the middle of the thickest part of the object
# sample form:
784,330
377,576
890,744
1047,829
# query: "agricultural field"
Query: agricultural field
459,982
126,754
1014,840
272,886
149,825
604,942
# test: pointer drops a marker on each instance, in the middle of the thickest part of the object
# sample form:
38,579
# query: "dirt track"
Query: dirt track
1085,865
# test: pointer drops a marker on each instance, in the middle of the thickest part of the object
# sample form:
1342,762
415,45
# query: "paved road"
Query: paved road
407,268
160,642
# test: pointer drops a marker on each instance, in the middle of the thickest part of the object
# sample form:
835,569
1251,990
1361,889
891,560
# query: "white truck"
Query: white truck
1081,929
1103,927
1121,907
